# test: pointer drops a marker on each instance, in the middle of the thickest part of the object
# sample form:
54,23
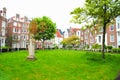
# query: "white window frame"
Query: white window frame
112,38
99,39
112,29
15,23
118,33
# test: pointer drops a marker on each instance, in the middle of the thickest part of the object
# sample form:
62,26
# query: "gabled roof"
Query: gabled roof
59,33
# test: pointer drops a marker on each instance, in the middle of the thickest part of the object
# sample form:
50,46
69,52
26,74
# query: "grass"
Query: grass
59,65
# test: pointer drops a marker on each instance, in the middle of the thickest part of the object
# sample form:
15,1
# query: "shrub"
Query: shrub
5,47
69,46
96,46
116,50
109,47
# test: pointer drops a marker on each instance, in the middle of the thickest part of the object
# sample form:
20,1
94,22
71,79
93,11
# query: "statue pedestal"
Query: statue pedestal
31,49
31,57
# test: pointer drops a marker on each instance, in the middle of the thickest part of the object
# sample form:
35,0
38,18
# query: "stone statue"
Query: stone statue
31,49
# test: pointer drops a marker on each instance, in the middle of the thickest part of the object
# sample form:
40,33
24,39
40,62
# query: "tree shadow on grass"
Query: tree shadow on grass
97,57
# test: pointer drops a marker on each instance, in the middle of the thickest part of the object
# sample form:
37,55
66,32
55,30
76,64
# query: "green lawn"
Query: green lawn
59,65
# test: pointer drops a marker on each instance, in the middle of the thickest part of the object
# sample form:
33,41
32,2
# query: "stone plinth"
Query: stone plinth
31,49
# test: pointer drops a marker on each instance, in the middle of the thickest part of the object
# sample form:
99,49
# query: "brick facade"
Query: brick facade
3,25
111,35
17,31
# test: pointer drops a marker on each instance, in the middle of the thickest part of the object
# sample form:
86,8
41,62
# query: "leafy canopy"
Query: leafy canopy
42,28
71,40
97,12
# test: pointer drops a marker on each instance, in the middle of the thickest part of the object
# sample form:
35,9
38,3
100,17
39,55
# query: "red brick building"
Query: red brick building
17,31
111,35
3,25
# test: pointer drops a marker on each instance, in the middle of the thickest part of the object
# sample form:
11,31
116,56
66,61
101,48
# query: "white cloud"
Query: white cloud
57,10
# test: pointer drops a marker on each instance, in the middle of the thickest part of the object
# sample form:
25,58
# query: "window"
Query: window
99,39
24,36
24,25
111,38
15,24
17,19
13,29
24,30
18,30
118,26
112,28
118,33
78,33
27,37
2,40
18,37
15,37
3,23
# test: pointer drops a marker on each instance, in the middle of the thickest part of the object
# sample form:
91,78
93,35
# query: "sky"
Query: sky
57,10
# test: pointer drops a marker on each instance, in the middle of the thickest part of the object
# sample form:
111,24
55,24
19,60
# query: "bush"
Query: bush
55,47
116,50
109,47
69,46
87,46
96,46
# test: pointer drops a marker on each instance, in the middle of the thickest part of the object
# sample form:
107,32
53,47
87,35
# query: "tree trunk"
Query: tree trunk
103,41
43,47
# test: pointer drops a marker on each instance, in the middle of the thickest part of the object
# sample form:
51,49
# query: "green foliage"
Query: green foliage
97,12
59,65
55,46
87,46
69,46
96,46
109,47
5,47
73,40
116,50
44,28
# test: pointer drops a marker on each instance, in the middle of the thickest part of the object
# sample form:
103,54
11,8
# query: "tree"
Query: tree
73,40
98,12
42,29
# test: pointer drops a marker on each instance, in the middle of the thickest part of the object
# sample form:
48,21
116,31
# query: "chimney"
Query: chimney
25,18
4,12
17,16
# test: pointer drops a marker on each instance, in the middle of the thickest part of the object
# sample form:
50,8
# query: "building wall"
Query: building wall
3,24
111,35
118,30
17,31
